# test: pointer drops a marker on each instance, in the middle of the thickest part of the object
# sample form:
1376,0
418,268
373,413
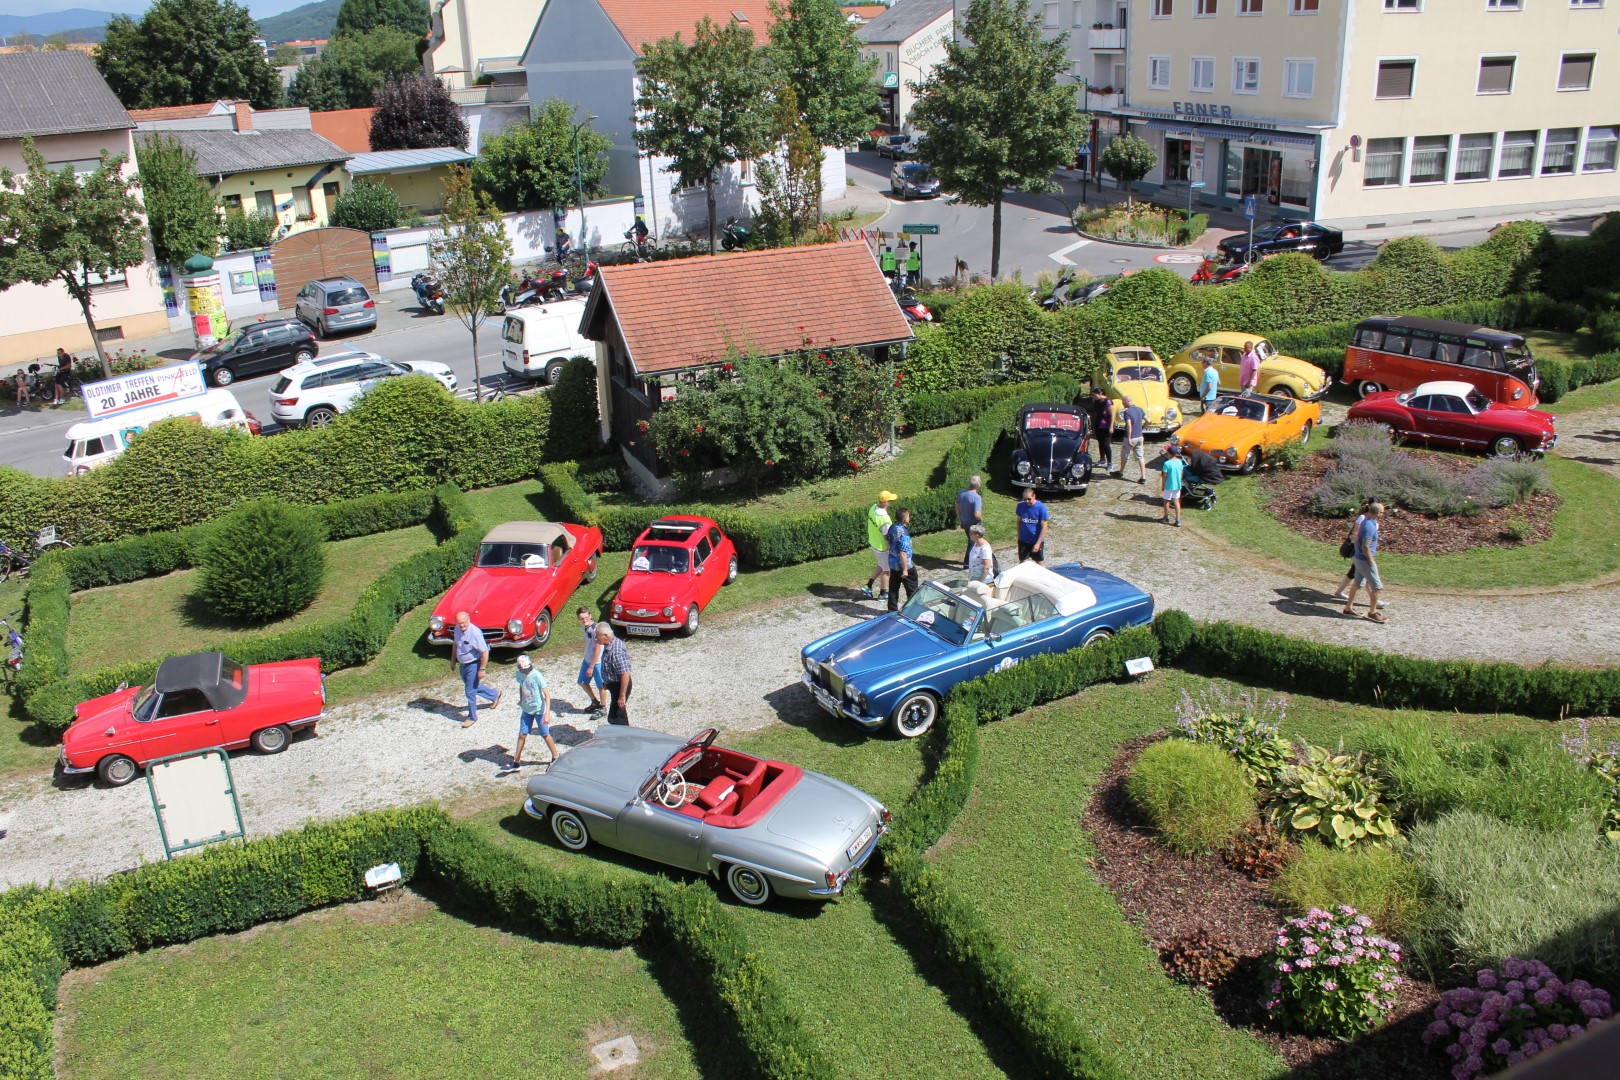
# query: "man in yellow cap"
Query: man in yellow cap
877,538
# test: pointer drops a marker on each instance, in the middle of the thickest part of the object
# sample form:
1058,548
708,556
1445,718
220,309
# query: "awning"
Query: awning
1231,133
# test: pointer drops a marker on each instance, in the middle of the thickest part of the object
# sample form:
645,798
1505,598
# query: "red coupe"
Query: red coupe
195,702
1456,415
525,573
676,567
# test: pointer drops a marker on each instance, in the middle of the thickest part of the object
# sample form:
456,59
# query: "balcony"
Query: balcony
1097,102
492,94
1106,40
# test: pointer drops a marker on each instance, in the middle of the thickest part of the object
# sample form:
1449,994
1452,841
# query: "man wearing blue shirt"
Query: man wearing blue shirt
1133,418
1210,383
1032,520
468,655
1365,565
902,570
1170,474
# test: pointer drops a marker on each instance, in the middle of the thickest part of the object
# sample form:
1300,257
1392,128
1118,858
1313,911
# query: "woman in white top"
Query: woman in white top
981,558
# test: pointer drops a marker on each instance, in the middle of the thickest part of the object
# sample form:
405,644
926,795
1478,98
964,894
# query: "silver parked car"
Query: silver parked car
335,303
764,826
912,180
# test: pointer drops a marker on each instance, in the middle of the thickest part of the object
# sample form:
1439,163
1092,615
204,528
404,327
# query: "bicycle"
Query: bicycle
638,252
18,562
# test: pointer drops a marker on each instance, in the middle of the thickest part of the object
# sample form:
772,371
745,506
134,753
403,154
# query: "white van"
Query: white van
537,341
96,442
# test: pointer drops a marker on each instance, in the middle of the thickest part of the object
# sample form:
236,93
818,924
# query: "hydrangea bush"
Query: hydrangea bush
1334,976
1245,726
1512,1014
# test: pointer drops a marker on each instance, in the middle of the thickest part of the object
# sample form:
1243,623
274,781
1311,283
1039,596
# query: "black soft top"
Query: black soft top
1441,326
222,680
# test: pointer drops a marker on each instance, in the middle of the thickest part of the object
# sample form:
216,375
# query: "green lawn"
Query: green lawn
1584,544
1565,346
368,990
157,617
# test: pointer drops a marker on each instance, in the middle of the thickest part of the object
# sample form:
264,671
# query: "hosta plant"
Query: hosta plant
1333,975
1510,1014
1243,725
1332,796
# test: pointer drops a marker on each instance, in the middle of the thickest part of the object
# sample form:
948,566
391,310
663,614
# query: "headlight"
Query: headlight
1171,414
618,609
809,665
514,627
669,611
436,623
1022,467
1230,451
1077,470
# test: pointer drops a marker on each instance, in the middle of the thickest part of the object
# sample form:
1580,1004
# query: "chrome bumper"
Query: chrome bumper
832,705
843,877
528,808
69,770
1322,393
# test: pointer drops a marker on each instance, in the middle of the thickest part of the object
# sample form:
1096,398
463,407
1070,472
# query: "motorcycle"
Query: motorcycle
555,287
429,293
1059,297
735,237
1211,272
913,308
1092,291
521,294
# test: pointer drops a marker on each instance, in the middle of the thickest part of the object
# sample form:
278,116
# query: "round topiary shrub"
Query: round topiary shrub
262,561
1194,794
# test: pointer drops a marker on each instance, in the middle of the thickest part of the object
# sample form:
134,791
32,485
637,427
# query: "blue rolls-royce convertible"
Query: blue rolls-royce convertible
896,669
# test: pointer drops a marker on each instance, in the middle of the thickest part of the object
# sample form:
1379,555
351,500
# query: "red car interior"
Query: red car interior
731,790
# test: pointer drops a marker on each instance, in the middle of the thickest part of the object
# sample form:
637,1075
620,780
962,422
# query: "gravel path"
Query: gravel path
741,672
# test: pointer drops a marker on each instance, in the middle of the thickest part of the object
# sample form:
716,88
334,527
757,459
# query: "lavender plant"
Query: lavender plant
1245,726
1334,975
1511,1014
1604,760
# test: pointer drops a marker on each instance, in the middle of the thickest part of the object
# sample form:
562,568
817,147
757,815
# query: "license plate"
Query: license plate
860,842
827,701
641,631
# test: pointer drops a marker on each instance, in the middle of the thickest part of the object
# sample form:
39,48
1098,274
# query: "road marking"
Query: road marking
1178,257
1059,256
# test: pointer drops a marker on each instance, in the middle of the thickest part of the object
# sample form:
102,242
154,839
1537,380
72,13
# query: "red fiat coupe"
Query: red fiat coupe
525,573
676,567
1455,415
195,702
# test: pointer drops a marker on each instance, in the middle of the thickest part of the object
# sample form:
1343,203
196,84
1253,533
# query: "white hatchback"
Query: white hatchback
314,392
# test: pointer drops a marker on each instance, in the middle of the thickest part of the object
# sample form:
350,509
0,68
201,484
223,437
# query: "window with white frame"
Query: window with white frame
1504,5
1158,73
1558,155
1303,7
1204,9
1201,78
1601,143
1395,78
1251,7
1575,71
1403,5
1385,159
1431,156
1517,156
1299,78
1495,75
1585,3
1078,15
1245,75
1474,154
1163,9
1049,16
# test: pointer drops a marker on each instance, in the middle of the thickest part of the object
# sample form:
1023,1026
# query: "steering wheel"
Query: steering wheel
673,790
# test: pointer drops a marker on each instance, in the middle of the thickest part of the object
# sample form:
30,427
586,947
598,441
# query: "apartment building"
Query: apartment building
906,43
1097,38
1367,112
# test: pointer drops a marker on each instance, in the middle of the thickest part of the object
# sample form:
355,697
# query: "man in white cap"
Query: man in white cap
534,708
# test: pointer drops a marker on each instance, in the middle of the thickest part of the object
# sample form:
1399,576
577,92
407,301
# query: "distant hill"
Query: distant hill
93,34
54,22
311,21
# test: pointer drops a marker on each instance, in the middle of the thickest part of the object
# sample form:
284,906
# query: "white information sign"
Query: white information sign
195,799
127,393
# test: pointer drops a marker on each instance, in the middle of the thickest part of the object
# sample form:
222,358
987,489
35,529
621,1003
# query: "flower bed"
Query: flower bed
1143,223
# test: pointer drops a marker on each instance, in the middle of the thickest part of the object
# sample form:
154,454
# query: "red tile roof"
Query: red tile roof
174,112
349,128
684,313
865,11
640,21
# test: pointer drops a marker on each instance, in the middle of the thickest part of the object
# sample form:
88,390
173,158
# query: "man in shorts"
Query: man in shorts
590,669
1133,419
1170,475
877,538
534,709
1365,566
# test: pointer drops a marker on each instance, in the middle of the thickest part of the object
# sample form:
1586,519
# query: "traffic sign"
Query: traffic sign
921,230
1196,184
1085,148
891,79
1248,207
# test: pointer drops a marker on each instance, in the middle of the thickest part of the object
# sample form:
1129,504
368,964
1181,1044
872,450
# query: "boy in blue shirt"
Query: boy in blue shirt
534,707
1170,476
1032,521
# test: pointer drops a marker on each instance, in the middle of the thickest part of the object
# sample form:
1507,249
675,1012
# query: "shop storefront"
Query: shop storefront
1235,156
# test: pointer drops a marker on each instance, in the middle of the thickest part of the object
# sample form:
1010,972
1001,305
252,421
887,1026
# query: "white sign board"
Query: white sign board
195,799
127,393
1196,172
1139,666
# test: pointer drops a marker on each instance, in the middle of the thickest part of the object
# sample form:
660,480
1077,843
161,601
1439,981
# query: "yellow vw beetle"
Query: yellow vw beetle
1134,373
1279,374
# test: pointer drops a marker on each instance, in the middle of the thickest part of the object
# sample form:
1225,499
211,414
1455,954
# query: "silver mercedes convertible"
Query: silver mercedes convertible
763,826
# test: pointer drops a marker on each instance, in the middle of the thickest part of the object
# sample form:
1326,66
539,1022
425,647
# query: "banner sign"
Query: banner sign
381,259
127,393
264,270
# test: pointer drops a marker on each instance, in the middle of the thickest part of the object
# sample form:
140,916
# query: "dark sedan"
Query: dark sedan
1051,449
912,180
1317,241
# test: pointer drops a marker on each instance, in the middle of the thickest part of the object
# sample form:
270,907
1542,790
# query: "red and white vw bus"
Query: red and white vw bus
1402,352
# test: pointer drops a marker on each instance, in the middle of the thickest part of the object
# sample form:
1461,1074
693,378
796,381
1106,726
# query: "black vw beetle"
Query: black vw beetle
1051,449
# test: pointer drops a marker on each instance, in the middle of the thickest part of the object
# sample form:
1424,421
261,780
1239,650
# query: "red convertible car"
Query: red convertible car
525,573
1456,415
676,567
195,702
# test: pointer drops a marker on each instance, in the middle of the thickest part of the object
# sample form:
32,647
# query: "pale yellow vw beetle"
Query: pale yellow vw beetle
1134,373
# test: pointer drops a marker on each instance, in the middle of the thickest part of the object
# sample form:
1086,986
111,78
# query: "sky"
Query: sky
258,8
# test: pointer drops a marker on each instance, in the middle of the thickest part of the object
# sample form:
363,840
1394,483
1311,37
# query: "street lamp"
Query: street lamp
579,179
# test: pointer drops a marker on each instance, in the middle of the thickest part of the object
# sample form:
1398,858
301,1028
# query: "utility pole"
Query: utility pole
579,179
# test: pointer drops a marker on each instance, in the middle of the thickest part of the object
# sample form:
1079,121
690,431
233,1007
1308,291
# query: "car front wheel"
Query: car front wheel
223,376
117,770
1181,385
1251,461
1506,446
731,570
271,740
542,628
690,627
569,829
748,885
1280,391
914,715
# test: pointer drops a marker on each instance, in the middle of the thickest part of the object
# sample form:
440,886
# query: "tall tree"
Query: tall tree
1128,159
530,166
352,69
57,227
406,16
994,114
790,179
472,256
813,49
705,105
187,51
180,210
416,113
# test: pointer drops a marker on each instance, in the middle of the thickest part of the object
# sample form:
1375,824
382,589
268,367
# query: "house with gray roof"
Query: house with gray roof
60,101
906,42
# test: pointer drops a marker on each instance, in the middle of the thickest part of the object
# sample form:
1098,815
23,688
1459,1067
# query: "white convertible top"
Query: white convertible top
1069,597
1450,387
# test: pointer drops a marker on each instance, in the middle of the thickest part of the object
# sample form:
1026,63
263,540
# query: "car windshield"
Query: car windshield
914,171
1477,401
1243,408
1263,349
145,702
946,616
1139,373
1518,356
514,555
226,343
1052,421
660,559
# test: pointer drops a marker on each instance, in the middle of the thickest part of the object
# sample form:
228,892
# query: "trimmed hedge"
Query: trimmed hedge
925,412
50,692
767,541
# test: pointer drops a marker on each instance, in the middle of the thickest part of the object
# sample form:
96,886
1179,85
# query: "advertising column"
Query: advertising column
204,299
